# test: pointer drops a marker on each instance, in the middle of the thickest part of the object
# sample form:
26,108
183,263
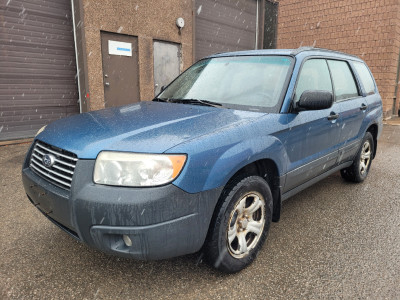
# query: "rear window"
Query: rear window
343,81
365,77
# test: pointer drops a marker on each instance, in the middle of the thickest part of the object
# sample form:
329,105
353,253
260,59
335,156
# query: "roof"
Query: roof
303,51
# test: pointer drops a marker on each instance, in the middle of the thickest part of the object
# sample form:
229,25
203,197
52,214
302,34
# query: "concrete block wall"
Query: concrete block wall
369,29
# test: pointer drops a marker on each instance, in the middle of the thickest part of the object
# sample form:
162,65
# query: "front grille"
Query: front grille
62,169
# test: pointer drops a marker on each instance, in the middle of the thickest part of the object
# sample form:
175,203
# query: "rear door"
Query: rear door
352,105
312,136
369,89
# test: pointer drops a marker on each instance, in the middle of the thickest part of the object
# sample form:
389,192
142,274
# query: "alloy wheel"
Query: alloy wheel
365,157
246,224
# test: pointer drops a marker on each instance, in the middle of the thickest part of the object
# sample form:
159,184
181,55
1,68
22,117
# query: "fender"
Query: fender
246,153
224,154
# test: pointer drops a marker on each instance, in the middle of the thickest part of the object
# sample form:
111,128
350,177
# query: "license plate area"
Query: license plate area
41,199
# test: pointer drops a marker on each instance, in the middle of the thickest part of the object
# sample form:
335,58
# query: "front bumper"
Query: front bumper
162,222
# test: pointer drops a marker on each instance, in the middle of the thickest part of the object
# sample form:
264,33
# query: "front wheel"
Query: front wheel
358,171
241,224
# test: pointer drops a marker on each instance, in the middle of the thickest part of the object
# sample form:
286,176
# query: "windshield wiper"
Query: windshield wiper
160,99
195,101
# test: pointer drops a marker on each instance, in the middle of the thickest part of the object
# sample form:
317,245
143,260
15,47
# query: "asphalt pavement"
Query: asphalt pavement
335,240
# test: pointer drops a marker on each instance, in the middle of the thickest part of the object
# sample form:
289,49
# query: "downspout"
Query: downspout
76,56
257,17
396,88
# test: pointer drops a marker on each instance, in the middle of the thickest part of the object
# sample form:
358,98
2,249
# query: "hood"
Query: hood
146,127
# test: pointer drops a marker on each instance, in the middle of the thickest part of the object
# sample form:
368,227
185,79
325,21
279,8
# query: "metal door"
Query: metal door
120,69
166,64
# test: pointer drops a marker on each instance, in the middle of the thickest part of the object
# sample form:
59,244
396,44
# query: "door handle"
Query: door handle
333,116
363,106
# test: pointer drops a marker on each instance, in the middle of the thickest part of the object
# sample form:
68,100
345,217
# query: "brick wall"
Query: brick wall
369,29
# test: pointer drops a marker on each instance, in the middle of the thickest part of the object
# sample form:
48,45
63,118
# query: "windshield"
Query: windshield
243,82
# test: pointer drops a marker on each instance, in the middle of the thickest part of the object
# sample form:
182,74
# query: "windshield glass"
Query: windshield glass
243,82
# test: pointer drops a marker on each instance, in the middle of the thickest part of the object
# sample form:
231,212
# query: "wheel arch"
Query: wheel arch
268,170
373,129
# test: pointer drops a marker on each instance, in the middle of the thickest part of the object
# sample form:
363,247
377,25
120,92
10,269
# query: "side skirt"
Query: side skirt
309,183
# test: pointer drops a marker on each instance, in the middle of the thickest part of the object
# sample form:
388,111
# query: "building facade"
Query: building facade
59,58
164,49
369,29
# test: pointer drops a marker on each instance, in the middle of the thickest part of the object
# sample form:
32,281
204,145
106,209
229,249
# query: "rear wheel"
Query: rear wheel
358,171
241,224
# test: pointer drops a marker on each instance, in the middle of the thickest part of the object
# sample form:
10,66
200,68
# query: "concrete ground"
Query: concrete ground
334,240
393,121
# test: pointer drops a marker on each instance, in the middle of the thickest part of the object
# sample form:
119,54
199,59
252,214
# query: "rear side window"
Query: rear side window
365,77
343,80
314,75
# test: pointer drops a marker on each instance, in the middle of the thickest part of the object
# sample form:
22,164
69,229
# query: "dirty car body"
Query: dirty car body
267,116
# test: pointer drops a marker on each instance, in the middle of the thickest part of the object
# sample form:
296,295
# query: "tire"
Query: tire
240,224
358,171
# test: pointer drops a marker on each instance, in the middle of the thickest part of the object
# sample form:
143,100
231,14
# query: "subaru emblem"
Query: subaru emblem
48,160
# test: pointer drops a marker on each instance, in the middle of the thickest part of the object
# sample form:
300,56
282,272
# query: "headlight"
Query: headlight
136,169
40,130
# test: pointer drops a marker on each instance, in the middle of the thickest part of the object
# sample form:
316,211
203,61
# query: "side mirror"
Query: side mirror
315,100
163,88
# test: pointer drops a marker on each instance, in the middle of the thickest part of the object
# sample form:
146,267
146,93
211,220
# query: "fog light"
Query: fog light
127,240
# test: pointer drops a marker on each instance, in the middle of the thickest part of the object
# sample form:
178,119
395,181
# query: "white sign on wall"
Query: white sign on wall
119,48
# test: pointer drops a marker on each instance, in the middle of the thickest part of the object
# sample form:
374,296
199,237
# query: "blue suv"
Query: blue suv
207,163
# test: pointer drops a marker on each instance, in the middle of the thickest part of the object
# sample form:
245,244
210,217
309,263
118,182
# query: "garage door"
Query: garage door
224,25
37,66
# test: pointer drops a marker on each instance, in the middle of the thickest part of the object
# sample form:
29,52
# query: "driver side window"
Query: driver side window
314,75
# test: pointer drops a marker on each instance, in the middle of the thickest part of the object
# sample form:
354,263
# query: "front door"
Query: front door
312,137
120,69
166,64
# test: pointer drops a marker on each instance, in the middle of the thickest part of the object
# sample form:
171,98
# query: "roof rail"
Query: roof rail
301,49
310,48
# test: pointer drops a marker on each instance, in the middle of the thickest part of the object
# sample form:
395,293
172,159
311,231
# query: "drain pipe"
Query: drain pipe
257,24
396,89
76,57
